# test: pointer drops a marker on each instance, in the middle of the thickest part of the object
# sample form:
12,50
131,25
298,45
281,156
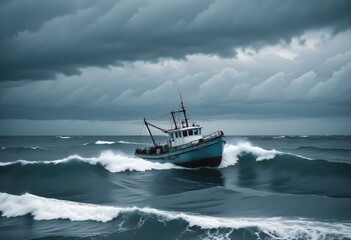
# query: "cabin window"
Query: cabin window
185,133
190,132
176,134
195,131
199,131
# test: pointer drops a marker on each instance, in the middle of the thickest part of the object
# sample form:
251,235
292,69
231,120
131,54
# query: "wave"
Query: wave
132,143
254,167
279,137
36,148
303,137
277,227
232,153
63,137
104,142
99,142
118,162
324,149
286,172
112,162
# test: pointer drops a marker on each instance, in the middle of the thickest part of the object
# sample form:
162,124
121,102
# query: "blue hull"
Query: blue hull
204,154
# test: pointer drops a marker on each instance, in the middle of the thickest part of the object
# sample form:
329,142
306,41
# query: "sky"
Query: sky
247,67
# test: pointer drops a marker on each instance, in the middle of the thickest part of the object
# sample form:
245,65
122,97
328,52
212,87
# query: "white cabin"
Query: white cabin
184,135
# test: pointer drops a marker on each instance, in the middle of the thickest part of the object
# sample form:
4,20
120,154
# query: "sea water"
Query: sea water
92,187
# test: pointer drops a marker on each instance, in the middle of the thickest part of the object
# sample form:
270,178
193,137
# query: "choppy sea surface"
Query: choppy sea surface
92,187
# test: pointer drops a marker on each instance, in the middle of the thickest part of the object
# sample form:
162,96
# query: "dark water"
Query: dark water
268,187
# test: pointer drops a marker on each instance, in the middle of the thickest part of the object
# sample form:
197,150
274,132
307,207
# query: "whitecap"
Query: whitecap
104,142
132,143
232,153
278,227
113,162
63,137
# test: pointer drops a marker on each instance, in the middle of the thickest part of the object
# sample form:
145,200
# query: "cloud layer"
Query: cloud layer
266,61
66,36
261,84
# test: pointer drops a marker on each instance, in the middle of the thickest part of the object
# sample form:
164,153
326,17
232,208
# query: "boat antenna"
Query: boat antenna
182,107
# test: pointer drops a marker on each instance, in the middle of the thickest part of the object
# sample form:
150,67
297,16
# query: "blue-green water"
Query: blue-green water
92,187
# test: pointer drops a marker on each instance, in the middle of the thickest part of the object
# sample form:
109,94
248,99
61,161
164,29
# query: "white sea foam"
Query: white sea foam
132,143
99,142
279,136
232,153
113,162
118,162
63,137
277,227
35,148
104,142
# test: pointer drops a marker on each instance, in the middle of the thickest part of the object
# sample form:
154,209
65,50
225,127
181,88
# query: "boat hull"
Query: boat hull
204,154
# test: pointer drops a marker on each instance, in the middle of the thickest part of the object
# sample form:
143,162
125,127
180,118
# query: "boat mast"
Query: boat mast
152,137
183,108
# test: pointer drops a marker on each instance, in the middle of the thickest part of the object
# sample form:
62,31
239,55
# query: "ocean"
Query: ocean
92,187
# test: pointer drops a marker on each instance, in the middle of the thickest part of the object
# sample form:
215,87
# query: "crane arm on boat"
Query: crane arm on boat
150,124
147,124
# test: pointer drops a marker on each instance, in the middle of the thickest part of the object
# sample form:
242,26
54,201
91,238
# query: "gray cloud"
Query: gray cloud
261,85
41,39
274,66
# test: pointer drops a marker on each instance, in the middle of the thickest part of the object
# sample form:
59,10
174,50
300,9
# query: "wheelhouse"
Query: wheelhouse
184,135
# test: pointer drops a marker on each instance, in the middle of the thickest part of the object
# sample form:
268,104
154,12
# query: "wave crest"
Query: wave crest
49,209
64,137
118,162
112,162
104,142
232,153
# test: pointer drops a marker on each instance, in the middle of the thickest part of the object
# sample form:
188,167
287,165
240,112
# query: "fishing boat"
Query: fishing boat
186,146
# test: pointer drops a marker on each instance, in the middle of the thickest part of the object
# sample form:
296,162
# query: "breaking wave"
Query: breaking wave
112,162
268,169
185,224
118,162
232,153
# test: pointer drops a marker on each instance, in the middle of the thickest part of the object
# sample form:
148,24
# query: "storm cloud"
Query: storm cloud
41,39
78,66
